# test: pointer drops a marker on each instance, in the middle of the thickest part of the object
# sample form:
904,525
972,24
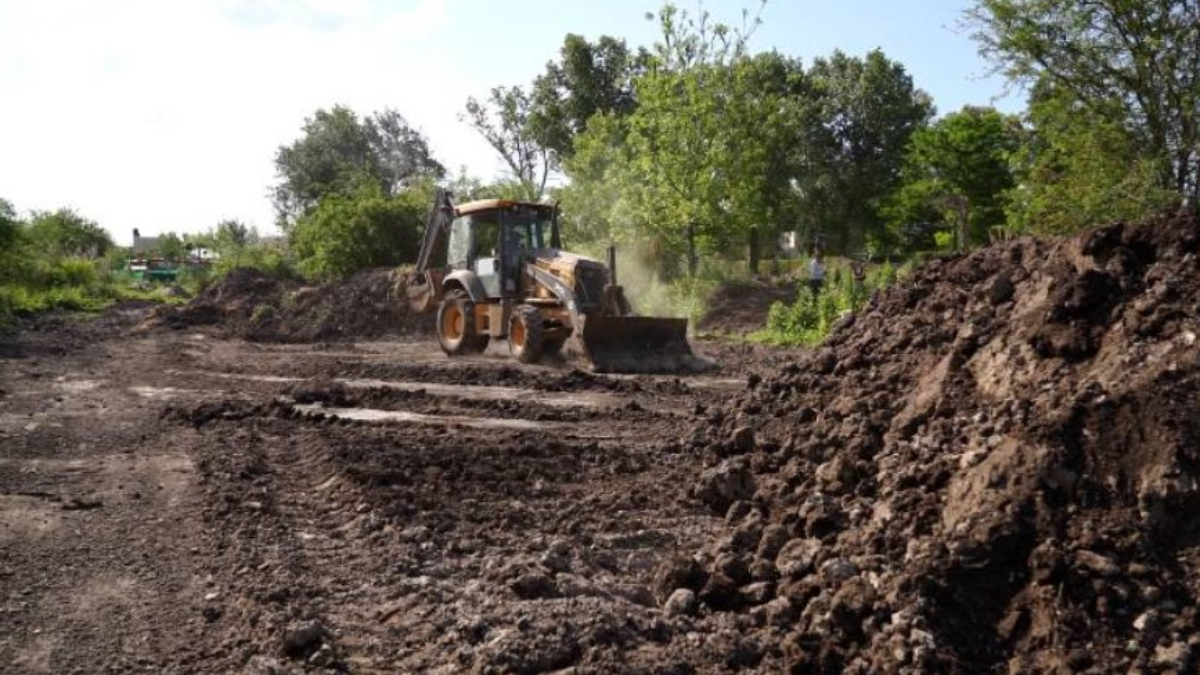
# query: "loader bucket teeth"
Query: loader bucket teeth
637,345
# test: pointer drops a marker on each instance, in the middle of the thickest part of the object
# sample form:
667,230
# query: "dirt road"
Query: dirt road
175,502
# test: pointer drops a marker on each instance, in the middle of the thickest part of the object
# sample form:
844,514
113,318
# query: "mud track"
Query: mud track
171,501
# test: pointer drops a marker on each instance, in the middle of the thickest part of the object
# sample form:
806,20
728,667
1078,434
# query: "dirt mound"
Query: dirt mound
989,470
740,308
251,305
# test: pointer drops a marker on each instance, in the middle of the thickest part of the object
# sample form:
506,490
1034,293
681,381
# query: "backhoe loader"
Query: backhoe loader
504,275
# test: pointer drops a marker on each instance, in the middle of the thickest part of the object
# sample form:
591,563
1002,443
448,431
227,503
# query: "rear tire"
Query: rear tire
525,334
457,332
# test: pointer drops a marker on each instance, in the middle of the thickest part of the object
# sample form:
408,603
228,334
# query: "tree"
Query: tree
1079,166
66,233
1134,62
232,237
504,122
345,234
171,246
8,225
339,154
960,169
683,148
11,258
589,78
866,110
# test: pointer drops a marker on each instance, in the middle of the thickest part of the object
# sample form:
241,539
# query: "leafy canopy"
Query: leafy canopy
1132,62
339,154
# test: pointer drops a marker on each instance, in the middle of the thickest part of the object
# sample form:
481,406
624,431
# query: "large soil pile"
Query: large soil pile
993,468
252,305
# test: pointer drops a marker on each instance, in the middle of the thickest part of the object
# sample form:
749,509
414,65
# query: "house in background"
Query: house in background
200,254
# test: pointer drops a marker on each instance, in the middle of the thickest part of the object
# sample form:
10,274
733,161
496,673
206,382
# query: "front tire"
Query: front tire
525,334
457,333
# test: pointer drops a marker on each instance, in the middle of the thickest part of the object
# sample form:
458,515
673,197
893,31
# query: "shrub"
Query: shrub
808,320
346,234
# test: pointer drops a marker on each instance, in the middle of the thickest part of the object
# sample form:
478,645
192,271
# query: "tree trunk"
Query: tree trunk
691,250
754,253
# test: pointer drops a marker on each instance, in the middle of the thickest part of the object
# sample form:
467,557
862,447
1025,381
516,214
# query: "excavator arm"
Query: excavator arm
421,286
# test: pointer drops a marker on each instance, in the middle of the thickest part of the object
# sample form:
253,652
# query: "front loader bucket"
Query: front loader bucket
635,344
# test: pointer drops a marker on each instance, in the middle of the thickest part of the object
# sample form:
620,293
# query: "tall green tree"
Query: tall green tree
1081,165
339,154
11,259
1134,62
589,78
685,149
867,110
8,224
960,168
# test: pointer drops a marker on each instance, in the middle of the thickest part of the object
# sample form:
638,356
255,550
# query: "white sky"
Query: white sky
165,115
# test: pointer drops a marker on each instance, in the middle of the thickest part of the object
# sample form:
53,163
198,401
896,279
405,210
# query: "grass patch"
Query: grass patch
809,318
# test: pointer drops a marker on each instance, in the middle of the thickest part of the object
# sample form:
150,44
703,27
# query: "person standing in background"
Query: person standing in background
816,274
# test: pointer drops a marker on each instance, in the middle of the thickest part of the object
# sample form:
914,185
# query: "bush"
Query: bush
346,234
808,320
74,271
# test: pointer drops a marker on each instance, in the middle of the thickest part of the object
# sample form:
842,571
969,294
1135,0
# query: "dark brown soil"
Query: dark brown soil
992,470
251,305
171,501
736,309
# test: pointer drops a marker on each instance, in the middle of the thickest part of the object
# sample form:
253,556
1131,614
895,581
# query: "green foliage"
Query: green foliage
1079,167
809,319
171,247
587,80
865,111
347,234
231,239
269,257
957,174
730,148
66,233
195,279
339,154
1128,64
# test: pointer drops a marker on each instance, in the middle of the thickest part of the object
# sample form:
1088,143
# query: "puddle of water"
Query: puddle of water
373,415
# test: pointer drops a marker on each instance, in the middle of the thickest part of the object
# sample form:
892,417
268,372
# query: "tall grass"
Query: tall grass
67,283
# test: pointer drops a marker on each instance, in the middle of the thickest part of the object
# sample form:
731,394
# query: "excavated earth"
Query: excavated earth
990,469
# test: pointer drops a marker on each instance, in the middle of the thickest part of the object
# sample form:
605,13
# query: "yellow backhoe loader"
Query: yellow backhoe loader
505,276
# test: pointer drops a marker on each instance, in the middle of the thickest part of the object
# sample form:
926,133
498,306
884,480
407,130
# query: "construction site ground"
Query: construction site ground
171,501
992,467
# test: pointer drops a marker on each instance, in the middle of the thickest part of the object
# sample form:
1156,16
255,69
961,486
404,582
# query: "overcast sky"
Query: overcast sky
165,115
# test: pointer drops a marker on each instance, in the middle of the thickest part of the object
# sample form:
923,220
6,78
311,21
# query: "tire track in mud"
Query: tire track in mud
421,547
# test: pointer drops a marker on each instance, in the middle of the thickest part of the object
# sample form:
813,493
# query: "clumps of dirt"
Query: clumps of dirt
989,469
249,304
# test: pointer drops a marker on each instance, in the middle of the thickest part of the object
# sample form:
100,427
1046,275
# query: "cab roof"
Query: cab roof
490,204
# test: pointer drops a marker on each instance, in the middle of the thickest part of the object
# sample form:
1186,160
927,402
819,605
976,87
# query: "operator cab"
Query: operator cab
494,238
